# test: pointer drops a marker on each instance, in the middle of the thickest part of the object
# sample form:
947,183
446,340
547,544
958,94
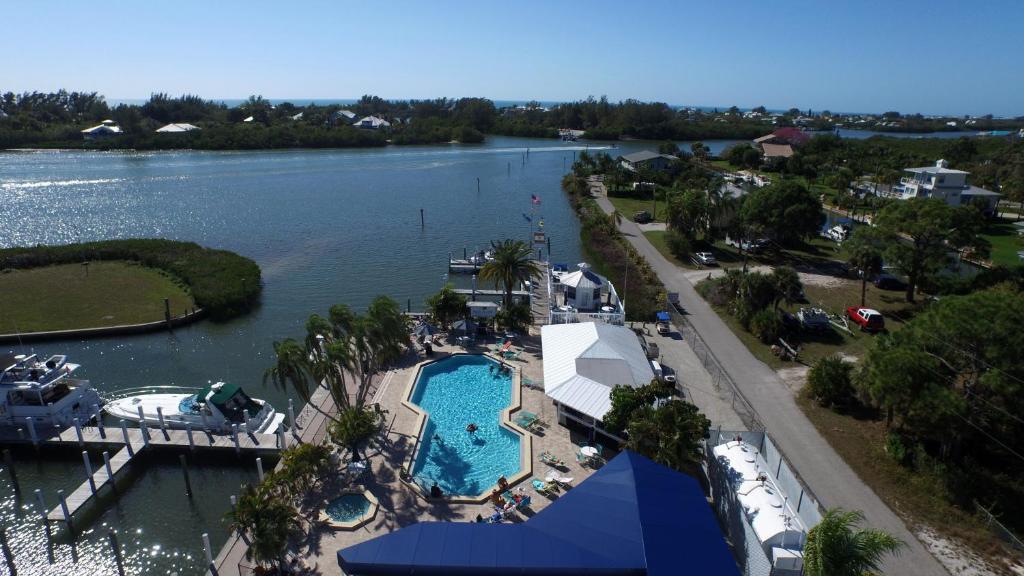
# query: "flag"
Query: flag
535,199
528,219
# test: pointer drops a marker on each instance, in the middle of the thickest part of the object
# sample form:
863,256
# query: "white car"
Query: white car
705,258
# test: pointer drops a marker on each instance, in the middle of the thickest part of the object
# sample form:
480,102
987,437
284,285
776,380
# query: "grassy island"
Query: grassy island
116,282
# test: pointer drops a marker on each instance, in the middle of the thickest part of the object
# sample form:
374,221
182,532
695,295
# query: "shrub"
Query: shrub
678,244
896,449
766,324
223,283
829,381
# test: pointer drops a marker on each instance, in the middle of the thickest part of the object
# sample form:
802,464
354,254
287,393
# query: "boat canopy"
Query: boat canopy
663,317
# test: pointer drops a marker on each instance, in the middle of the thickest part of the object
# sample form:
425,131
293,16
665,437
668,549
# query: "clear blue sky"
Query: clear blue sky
933,57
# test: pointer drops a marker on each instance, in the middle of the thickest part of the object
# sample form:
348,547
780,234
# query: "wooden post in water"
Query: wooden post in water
509,168
8,555
422,223
167,312
127,441
112,537
245,414
64,506
9,462
99,421
234,436
282,442
478,185
184,470
106,464
88,471
78,431
259,469
32,431
207,550
188,432
143,428
41,504
291,415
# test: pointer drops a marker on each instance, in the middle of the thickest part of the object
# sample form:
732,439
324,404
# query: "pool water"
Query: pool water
347,507
456,392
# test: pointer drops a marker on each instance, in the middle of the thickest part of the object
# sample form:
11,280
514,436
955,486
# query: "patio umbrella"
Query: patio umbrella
424,329
464,326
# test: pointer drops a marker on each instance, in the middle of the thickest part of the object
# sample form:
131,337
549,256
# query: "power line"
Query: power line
990,437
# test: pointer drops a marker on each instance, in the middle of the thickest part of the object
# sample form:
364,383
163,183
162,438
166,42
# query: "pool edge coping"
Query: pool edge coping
515,404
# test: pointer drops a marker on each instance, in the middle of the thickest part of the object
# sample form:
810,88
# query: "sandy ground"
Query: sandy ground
960,561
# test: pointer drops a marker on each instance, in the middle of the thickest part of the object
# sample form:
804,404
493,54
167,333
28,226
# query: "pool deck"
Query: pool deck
402,505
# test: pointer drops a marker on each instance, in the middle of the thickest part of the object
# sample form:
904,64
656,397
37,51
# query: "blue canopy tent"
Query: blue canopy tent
631,517
663,317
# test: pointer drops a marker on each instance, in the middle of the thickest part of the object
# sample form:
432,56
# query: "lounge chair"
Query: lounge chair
513,355
550,459
546,488
524,503
529,383
554,477
526,419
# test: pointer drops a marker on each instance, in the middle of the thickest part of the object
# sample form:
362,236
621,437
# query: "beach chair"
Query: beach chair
556,478
513,355
581,459
545,488
530,383
550,459
526,419
524,503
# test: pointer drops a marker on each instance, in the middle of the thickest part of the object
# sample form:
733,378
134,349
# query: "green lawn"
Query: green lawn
1002,234
628,206
69,296
657,238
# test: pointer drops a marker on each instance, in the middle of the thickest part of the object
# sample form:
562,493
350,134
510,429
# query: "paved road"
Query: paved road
824,471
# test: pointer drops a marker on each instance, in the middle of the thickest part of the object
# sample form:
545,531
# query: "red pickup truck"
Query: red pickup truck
867,318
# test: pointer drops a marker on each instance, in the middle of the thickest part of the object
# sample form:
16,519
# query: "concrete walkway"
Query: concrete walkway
833,482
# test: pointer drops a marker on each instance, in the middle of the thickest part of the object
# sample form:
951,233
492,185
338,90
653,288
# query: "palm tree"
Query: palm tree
866,256
513,264
267,520
835,547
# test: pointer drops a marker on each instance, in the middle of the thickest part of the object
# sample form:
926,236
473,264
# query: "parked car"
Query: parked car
652,350
889,282
868,319
642,217
814,319
705,258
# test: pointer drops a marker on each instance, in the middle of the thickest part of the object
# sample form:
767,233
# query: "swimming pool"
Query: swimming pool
456,392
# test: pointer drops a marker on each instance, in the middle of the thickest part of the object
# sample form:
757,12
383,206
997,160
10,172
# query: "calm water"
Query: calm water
326,226
456,392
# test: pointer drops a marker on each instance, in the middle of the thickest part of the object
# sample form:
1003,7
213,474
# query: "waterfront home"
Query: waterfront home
177,128
343,117
582,296
582,362
944,183
773,151
647,160
632,516
372,123
787,135
106,129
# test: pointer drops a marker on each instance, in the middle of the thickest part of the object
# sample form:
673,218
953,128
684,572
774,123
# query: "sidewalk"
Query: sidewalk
821,468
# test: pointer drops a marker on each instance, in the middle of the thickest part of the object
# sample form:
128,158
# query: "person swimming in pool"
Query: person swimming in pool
471,428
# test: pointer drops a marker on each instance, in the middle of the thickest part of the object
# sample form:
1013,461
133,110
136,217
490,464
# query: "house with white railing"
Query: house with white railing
943,183
582,296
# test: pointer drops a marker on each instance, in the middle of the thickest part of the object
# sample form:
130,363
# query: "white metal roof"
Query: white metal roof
373,121
177,128
583,278
771,516
107,127
582,362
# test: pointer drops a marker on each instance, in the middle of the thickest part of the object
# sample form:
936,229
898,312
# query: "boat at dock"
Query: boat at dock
215,408
44,391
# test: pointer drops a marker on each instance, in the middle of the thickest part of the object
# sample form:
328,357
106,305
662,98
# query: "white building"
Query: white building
105,129
582,362
177,128
942,182
372,123
582,296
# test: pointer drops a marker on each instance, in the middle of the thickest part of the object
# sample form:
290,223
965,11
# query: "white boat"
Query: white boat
45,392
215,408
839,233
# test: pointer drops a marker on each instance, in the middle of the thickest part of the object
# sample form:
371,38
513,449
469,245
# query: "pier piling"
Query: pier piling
32,431
64,506
291,415
207,549
106,464
478,185
188,431
41,504
78,431
282,442
127,442
8,555
184,471
422,223
99,421
160,417
259,469
9,463
88,471
112,537
167,312
245,414
143,428
234,437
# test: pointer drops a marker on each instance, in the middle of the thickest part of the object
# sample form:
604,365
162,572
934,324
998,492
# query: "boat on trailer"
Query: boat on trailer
44,391
217,407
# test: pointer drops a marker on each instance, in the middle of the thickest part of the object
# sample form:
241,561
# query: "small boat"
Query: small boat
216,407
45,392
839,233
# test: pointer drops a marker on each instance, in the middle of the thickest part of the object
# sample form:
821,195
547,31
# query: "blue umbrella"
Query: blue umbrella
424,329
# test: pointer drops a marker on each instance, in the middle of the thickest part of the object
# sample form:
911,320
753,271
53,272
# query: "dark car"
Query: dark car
889,282
642,217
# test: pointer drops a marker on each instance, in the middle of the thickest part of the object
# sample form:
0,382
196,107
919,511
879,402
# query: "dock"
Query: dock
491,293
130,442
456,266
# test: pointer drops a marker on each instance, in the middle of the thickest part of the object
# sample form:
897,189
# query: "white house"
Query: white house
177,128
105,129
372,123
582,362
646,160
942,182
582,296
344,116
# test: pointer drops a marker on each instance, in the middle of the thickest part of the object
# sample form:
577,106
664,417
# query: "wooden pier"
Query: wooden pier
463,267
130,442
491,293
